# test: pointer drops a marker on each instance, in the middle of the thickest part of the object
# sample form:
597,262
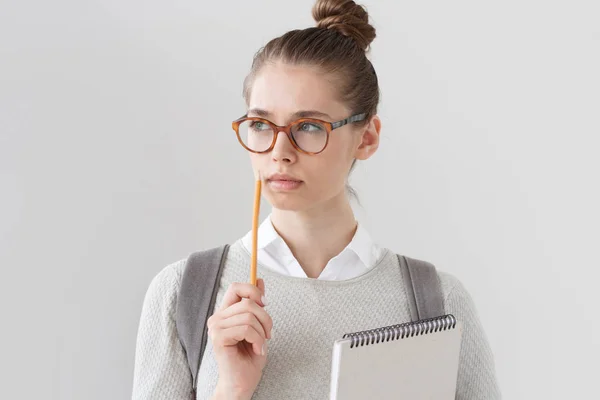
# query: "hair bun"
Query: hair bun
347,18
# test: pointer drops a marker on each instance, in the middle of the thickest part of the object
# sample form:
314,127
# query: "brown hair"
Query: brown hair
338,45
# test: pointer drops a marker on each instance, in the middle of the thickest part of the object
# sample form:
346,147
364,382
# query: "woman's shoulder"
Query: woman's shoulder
167,281
450,283
165,284
456,295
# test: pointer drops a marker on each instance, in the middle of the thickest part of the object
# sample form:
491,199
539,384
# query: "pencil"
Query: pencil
257,193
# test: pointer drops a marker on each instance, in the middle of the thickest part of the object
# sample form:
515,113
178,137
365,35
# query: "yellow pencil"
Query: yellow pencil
257,193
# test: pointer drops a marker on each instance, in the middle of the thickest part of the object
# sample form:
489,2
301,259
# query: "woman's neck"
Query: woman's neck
316,235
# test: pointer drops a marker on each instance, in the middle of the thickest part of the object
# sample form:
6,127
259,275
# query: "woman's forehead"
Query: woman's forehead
283,90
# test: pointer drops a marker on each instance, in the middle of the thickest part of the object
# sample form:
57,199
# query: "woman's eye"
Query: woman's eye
308,127
259,126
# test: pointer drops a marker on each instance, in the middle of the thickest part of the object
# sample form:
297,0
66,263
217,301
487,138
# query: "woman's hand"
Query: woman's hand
238,331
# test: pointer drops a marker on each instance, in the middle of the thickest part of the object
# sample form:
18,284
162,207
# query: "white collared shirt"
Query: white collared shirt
358,257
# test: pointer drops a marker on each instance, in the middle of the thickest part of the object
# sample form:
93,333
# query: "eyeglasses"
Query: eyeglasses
307,135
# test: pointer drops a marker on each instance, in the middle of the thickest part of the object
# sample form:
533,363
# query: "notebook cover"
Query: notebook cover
421,367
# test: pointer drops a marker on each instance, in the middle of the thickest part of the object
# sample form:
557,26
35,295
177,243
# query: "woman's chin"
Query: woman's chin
296,201
286,202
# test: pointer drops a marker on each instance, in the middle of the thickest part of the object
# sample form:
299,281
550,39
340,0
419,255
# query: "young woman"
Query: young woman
312,99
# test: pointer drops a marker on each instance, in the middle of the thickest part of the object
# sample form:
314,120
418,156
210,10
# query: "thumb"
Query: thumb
260,283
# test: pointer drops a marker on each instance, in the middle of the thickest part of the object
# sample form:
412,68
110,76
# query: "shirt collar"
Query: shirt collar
361,244
266,235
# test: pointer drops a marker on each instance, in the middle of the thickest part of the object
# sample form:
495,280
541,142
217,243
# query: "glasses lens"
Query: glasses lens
310,136
256,135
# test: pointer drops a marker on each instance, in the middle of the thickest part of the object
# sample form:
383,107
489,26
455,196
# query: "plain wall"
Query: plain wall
117,158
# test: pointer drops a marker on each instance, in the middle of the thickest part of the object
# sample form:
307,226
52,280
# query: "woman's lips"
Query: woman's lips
283,184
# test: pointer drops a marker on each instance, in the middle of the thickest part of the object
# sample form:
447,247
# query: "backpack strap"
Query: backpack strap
195,303
423,287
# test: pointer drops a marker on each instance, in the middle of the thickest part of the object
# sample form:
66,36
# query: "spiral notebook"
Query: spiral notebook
415,360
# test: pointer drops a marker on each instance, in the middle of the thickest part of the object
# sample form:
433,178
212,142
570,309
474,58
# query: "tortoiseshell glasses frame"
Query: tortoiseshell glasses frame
329,126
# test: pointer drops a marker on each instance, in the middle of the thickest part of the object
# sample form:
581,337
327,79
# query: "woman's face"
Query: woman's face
282,91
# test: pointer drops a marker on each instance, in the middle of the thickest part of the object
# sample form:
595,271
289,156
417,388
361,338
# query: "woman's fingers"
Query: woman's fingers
241,311
260,283
232,336
238,291
248,306
242,320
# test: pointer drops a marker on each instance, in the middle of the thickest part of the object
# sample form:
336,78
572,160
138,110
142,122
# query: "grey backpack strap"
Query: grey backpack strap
423,287
195,303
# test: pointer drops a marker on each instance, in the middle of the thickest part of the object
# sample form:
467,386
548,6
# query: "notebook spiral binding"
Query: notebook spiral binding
401,331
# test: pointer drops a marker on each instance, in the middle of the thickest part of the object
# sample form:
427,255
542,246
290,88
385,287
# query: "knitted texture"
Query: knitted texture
308,316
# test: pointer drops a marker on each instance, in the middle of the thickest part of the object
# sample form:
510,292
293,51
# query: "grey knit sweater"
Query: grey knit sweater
308,315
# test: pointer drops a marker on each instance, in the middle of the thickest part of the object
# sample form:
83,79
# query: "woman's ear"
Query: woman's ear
369,139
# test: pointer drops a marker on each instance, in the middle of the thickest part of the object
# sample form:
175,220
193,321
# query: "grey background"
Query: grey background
117,158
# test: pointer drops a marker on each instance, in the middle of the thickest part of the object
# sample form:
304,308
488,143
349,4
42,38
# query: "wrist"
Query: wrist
224,393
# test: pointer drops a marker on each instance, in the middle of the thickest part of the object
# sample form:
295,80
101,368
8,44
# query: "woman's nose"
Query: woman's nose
284,150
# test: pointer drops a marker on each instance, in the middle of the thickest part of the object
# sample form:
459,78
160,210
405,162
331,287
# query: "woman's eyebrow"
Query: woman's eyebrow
311,113
299,114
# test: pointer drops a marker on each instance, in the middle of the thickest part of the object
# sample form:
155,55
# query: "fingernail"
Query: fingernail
264,300
263,349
